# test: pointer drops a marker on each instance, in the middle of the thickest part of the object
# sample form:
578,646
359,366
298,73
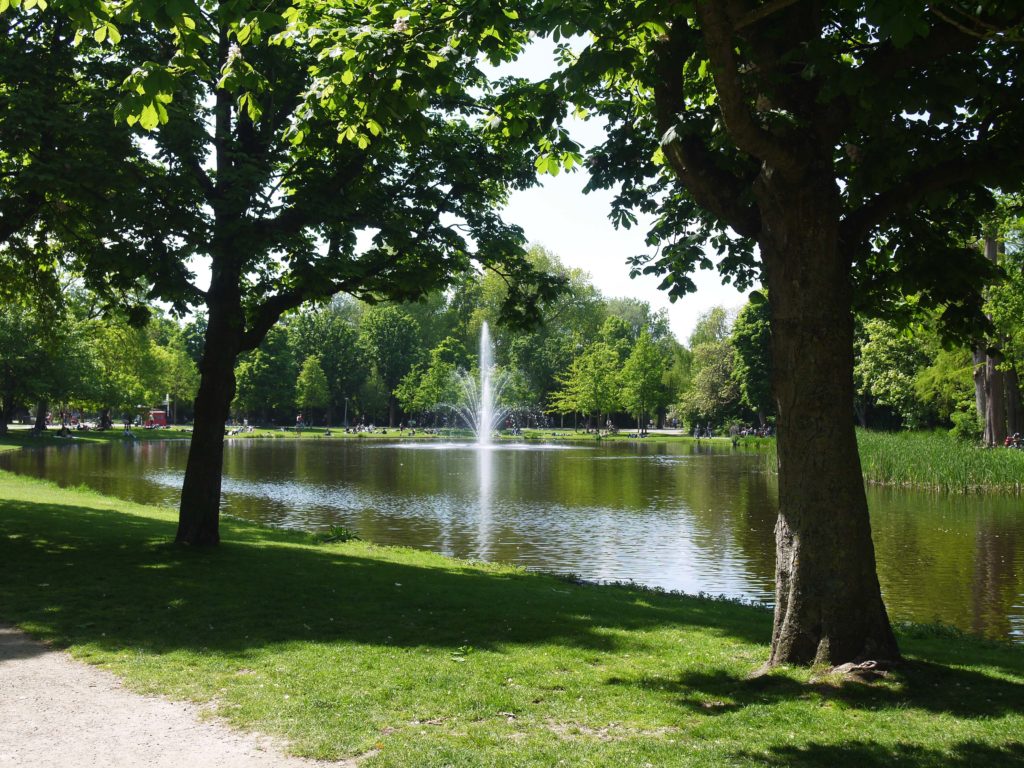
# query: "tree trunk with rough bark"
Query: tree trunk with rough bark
995,388
199,514
828,604
41,408
1014,405
980,398
995,400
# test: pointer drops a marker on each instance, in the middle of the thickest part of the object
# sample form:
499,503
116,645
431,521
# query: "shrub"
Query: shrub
966,426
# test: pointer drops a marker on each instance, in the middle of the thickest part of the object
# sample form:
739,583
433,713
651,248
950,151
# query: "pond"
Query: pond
672,515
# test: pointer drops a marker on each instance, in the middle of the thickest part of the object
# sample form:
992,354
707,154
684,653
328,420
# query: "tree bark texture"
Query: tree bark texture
41,409
980,398
199,514
995,402
995,387
1014,405
828,603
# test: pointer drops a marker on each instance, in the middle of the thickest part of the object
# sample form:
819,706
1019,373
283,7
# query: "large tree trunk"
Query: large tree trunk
1014,405
199,514
995,388
828,604
995,410
980,398
6,409
41,408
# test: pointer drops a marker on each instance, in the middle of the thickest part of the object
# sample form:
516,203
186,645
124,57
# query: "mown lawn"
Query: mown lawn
410,659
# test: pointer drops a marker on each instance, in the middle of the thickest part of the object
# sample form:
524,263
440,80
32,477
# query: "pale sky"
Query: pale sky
575,226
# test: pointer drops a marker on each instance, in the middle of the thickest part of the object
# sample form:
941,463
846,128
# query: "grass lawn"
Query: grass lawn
25,438
411,659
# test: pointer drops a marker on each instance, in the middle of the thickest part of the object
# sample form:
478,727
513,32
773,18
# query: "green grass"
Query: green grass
25,438
935,460
20,437
410,659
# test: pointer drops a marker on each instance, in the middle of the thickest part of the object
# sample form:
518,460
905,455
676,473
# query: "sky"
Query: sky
576,228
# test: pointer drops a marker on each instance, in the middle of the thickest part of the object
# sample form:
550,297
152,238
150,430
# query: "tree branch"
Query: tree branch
711,188
311,287
915,185
739,121
762,12
719,191
977,27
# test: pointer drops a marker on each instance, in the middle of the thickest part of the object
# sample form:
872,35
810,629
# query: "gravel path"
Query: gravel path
59,713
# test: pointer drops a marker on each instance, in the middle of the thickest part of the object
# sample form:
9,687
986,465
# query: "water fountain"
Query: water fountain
480,407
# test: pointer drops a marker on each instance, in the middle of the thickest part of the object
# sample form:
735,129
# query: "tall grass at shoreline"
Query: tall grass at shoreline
939,461
936,461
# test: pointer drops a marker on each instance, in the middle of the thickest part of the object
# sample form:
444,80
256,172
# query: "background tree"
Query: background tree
998,358
331,334
573,317
24,359
124,376
591,385
712,395
618,335
945,386
751,343
311,393
888,363
428,387
390,338
642,390
266,381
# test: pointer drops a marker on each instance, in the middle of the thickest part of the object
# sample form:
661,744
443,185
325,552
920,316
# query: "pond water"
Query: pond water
677,516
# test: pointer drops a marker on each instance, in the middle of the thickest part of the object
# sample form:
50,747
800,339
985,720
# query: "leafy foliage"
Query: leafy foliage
591,385
751,339
311,388
642,390
889,360
266,380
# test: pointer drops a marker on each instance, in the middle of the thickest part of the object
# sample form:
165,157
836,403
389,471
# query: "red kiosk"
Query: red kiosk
157,419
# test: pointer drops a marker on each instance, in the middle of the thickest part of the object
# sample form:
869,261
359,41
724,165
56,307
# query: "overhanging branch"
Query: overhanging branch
713,188
762,12
917,184
739,121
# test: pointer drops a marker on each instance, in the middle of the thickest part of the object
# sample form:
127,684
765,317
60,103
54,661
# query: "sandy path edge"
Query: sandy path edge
56,712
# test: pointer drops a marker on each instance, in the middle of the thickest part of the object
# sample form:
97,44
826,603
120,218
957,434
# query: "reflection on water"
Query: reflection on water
675,516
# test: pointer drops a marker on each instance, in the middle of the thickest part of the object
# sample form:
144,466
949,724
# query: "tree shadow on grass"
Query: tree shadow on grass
77,574
14,646
862,754
916,684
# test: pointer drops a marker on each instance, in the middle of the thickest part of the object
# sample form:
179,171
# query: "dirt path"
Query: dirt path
59,713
